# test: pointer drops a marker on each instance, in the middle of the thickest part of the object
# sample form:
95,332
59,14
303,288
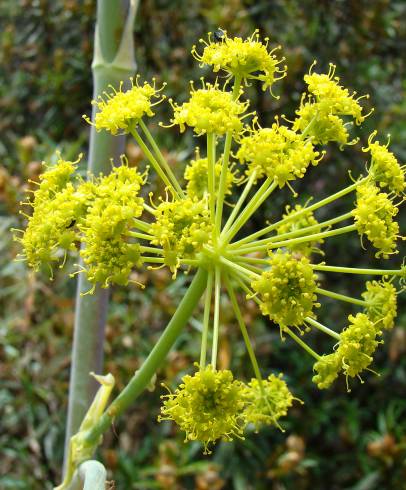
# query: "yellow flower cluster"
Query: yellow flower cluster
265,406
207,406
278,153
244,58
321,111
120,111
212,405
303,221
57,209
381,297
385,168
55,178
287,289
354,353
374,217
196,177
108,254
209,110
357,344
181,228
327,369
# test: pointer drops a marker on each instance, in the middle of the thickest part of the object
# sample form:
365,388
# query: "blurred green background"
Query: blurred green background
336,440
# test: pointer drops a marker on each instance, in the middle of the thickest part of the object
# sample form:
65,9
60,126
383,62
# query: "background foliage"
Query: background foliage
336,440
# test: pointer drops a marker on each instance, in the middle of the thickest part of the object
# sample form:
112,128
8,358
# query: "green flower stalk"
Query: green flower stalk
190,228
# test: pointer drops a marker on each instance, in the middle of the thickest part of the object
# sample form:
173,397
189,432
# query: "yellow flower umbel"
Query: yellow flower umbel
181,228
267,403
243,58
295,225
321,111
287,290
374,217
57,209
120,111
385,168
191,229
381,297
210,110
109,253
357,343
277,153
207,406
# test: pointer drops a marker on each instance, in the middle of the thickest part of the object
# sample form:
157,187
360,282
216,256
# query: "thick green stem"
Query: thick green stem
315,237
322,328
109,68
341,297
206,320
302,344
211,178
216,319
244,332
240,201
238,268
295,241
355,270
305,210
161,159
154,162
261,195
143,376
224,166
299,232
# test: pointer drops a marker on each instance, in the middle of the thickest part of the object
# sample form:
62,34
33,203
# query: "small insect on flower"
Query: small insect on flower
219,35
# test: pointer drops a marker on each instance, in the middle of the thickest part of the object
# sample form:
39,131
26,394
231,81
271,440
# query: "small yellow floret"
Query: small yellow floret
120,111
287,289
278,153
320,113
244,58
181,228
210,110
109,254
354,352
357,344
381,297
265,406
207,406
374,217
57,210
385,169
327,369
